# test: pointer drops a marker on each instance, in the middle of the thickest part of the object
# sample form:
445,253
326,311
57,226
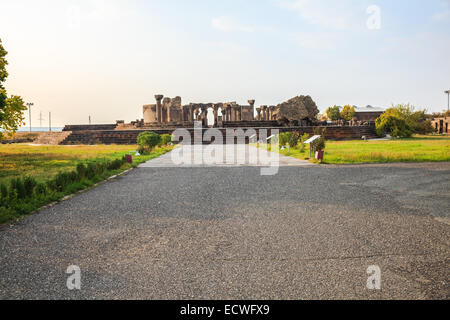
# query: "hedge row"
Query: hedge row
25,194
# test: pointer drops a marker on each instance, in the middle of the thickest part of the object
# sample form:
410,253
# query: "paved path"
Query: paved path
230,233
233,155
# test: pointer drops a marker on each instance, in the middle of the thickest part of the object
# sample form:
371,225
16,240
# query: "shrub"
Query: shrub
40,189
303,138
320,143
60,181
29,184
416,121
17,189
3,191
116,164
148,140
283,139
166,139
396,127
90,170
81,170
293,139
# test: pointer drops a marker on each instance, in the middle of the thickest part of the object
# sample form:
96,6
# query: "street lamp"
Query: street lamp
448,98
29,105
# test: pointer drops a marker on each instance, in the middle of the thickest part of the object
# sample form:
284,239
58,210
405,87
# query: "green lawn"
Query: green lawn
416,149
44,162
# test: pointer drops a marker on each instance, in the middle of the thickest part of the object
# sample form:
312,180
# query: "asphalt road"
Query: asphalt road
308,232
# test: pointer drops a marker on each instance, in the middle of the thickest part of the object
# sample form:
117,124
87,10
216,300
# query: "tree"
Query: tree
12,108
348,113
334,113
395,126
416,120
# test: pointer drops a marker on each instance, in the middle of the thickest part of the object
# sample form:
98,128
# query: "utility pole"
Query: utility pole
49,122
448,99
29,105
40,119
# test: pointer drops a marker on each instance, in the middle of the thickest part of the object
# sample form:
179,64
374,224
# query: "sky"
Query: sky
107,58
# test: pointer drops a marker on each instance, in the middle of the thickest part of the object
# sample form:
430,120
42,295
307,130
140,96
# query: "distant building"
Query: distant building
368,113
441,125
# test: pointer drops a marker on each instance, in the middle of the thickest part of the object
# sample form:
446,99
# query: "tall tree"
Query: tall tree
348,112
334,113
12,108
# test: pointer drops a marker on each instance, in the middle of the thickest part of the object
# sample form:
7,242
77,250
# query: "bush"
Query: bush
61,180
40,189
283,139
17,189
3,191
148,141
293,139
303,138
407,122
81,170
90,170
166,139
320,143
116,164
396,127
29,184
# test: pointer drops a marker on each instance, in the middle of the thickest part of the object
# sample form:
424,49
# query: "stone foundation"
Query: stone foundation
123,137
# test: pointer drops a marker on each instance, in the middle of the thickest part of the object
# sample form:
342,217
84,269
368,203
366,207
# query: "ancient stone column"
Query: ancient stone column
258,117
216,115
271,110
228,113
197,113
205,117
224,113
159,108
168,111
264,112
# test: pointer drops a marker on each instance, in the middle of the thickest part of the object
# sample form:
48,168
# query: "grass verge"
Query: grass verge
416,149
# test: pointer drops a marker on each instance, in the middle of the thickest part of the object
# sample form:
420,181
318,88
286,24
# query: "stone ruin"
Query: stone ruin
297,110
171,113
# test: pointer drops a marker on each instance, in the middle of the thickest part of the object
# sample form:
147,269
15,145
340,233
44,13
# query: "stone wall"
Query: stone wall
130,136
90,127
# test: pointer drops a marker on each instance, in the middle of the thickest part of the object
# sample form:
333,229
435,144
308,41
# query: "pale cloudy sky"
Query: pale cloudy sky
107,58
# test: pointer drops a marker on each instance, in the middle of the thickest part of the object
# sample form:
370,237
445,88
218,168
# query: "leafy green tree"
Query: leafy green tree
395,126
416,120
12,108
348,113
334,113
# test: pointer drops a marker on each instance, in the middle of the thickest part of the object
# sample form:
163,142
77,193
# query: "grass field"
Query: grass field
44,162
416,149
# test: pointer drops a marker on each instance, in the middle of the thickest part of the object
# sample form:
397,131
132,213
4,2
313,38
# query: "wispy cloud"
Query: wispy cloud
228,24
335,15
444,14
317,40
